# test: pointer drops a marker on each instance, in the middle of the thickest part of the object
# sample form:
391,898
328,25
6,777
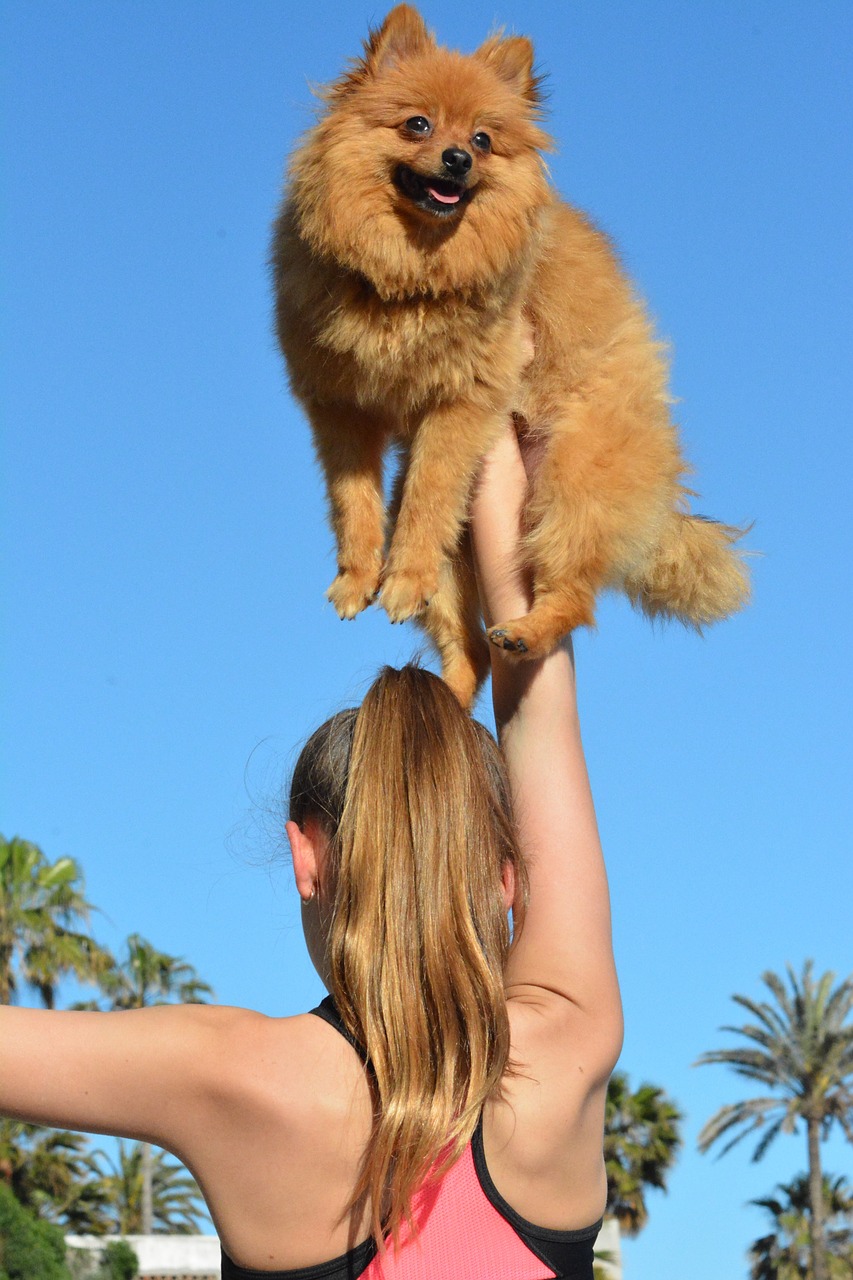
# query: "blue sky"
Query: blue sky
166,640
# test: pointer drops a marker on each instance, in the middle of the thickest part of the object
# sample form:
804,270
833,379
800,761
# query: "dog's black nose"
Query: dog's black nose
456,161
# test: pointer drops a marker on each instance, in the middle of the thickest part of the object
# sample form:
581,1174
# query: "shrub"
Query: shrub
28,1246
119,1262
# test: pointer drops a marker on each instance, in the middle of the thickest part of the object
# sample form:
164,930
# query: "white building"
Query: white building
161,1257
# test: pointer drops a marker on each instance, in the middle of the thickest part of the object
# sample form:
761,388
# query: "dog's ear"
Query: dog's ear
402,34
511,58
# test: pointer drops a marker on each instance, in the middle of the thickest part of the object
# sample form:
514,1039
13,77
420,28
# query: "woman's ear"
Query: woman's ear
508,884
304,850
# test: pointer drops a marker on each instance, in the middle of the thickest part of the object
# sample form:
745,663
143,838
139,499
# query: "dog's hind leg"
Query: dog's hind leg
606,485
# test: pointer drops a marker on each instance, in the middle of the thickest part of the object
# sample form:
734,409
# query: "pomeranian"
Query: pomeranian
418,245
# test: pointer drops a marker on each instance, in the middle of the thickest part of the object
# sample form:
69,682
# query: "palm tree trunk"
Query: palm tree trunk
820,1270
147,1190
5,973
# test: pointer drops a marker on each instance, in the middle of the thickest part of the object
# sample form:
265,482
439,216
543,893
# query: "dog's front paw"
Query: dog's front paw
351,592
406,595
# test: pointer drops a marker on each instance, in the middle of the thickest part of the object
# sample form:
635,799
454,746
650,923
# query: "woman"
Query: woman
444,1118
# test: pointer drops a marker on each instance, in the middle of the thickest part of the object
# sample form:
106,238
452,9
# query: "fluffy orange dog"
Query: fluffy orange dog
418,244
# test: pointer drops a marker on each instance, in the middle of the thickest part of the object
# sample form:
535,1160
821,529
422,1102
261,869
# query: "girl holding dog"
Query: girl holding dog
440,1116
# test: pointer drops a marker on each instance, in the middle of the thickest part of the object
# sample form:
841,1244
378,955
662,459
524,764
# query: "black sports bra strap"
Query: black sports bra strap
328,1011
569,1253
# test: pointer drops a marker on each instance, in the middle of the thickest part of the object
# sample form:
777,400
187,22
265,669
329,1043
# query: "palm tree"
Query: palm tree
785,1253
52,1173
176,1200
147,977
43,923
641,1140
801,1048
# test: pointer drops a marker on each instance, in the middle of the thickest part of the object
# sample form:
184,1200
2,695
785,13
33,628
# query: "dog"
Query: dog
418,245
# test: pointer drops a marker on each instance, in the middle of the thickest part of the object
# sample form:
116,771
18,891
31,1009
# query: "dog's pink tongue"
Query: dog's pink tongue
437,195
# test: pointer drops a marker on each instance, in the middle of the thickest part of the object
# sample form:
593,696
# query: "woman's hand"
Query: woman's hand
496,510
497,531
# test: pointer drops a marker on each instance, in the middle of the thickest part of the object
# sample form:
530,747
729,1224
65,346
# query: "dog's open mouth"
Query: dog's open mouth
440,196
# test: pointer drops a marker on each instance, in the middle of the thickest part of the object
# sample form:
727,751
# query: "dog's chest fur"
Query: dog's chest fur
414,351
396,357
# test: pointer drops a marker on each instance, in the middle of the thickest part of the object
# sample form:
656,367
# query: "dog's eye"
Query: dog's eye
482,141
419,125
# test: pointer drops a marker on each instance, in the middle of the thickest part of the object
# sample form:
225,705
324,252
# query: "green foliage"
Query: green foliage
175,1196
116,1260
641,1140
52,1172
148,977
599,1272
29,1248
119,1262
785,1252
43,923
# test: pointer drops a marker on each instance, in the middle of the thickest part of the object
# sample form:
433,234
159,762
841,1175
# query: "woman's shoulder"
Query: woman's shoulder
295,1074
283,1135
275,1046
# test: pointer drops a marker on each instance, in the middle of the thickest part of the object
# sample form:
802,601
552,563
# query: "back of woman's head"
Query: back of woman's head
414,799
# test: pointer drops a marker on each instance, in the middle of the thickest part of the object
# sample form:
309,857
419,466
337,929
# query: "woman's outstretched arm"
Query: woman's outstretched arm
145,1073
563,959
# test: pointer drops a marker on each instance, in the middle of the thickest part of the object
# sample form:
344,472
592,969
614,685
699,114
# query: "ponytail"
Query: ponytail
416,803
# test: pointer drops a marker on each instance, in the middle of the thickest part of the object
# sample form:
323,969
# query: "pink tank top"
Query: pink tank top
466,1231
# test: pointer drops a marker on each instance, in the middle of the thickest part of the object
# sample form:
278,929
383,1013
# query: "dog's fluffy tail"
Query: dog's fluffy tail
695,575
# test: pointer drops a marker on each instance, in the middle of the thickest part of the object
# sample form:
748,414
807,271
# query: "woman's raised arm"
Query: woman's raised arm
563,959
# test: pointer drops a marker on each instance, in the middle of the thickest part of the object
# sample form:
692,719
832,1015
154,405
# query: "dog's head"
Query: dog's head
424,171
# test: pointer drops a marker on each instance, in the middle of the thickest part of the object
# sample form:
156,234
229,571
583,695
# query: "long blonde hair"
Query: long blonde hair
415,801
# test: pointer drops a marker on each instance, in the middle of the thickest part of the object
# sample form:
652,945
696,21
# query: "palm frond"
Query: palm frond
749,1115
800,1047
